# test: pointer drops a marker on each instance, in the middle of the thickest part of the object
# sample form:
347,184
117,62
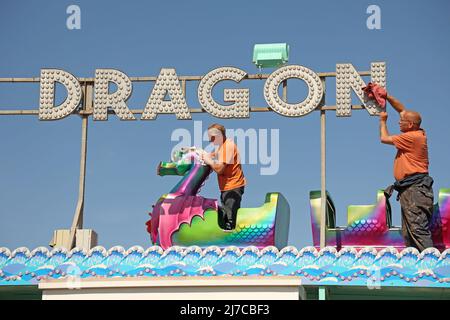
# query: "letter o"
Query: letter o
312,80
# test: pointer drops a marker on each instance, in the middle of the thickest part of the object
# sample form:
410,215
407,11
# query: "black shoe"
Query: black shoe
228,227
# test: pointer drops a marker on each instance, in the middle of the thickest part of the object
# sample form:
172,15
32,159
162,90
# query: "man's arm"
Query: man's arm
397,105
384,134
216,165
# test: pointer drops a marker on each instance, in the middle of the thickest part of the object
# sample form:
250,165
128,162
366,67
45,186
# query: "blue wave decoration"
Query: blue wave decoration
365,267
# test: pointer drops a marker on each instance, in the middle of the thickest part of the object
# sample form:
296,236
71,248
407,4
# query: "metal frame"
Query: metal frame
86,110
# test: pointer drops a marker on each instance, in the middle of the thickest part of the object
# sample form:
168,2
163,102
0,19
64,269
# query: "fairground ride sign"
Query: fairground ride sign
168,97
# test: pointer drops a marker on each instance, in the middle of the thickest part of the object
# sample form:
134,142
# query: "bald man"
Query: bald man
413,184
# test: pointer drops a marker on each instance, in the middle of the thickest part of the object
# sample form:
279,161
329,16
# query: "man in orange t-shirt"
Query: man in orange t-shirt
413,183
226,163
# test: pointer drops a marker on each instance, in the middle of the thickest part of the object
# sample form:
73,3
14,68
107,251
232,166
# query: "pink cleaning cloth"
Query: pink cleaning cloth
376,92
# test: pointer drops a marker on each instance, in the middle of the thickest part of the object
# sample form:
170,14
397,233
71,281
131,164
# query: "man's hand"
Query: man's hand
217,166
383,116
205,157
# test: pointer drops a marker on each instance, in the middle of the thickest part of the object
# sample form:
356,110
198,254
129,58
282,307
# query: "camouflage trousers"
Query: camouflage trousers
417,209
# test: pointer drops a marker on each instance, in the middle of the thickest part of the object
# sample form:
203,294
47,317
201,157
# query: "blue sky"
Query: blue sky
39,162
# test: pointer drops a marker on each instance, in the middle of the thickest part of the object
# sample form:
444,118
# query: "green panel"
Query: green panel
385,293
20,293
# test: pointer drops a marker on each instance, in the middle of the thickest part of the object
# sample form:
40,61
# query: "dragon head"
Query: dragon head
181,161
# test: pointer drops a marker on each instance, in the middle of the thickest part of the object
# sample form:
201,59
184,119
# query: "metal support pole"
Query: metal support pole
323,187
285,90
77,222
183,87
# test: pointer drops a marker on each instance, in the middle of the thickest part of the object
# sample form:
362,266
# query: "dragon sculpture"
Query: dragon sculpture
184,218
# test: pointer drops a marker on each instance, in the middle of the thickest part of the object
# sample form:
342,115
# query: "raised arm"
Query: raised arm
397,105
384,134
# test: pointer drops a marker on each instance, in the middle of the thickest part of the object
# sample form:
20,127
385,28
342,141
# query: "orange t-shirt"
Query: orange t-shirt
232,177
412,154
